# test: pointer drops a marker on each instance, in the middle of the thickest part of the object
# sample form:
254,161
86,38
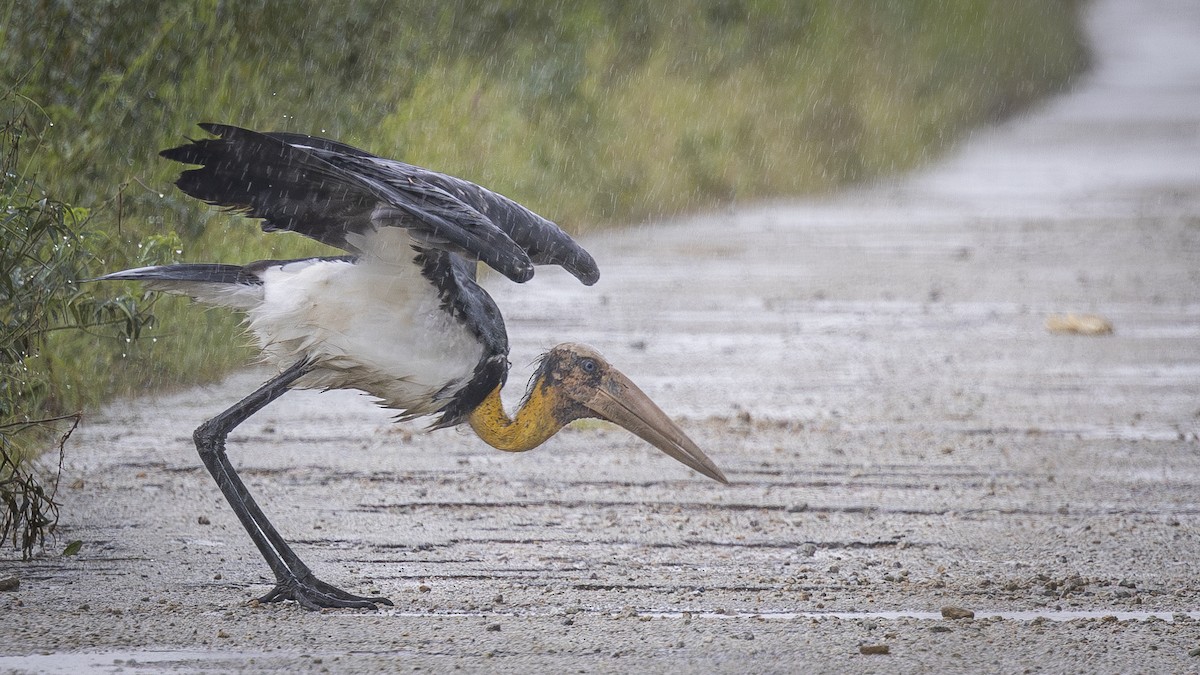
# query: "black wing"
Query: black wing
328,190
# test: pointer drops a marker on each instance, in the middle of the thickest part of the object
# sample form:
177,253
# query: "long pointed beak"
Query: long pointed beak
619,400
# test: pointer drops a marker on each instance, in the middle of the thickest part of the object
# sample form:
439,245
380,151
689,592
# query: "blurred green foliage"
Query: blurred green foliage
593,113
48,248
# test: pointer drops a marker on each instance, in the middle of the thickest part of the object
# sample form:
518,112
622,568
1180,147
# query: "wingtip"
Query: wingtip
215,128
222,130
519,273
186,153
588,277
584,268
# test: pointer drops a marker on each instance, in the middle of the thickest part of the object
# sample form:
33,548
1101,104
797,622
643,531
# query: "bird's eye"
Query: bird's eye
588,365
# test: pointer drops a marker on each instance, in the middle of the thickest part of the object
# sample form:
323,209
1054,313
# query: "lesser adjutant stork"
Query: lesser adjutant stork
399,317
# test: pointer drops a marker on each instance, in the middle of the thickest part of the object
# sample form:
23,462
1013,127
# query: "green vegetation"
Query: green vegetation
48,247
594,113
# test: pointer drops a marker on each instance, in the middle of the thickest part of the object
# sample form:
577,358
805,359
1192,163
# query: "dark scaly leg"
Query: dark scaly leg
294,580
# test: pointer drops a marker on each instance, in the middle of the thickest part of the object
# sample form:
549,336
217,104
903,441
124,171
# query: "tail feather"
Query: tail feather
213,283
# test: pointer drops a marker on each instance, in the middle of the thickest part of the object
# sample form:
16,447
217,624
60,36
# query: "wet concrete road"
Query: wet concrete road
874,373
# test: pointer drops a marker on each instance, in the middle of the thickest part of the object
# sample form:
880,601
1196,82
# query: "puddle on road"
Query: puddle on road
125,661
1017,615
1064,615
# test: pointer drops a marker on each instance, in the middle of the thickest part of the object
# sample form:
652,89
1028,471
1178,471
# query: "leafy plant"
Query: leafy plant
48,247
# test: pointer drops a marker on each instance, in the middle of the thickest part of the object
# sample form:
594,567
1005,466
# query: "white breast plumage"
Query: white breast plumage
371,325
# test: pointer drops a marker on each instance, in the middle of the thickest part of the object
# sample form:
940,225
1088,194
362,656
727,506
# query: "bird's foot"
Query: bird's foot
313,594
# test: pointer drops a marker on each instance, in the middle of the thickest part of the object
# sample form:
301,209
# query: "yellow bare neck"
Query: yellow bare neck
534,423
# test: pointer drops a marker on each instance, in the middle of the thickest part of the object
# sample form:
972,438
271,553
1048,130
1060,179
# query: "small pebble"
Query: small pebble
9,583
874,649
1079,324
203,520
1194,651
957,613
493,627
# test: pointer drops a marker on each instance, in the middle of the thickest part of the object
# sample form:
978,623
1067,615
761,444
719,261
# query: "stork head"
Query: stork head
572,382
578,382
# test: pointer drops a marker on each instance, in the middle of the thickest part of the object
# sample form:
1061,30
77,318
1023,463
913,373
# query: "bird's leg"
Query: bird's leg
294,579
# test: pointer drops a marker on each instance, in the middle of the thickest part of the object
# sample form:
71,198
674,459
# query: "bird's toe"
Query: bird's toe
313,594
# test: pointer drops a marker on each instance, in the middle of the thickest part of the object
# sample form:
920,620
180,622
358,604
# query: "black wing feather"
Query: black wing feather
541,239
327,190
